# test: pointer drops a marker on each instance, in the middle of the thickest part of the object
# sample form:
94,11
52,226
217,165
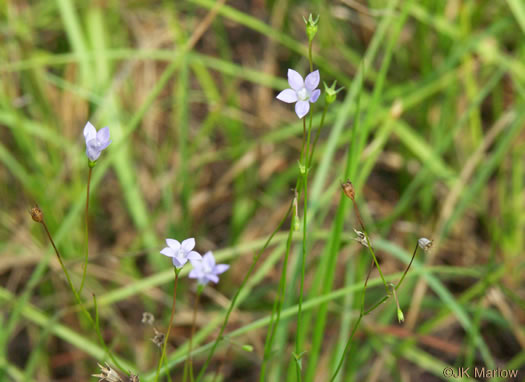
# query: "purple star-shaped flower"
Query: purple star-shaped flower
301,92
180,252
205,270
95,141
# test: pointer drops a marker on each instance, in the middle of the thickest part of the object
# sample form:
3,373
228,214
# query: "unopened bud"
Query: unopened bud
37,215
248,348
348,189
400,316
330,92
311,26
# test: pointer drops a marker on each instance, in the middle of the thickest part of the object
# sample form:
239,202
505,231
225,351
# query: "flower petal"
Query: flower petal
193,256
196,263
178,262
103,136
287,95
203,280
89,132
302,108
312,81
220,268
195,274
315,95
188,244
92,150
168,252
295,80
174,244
212,277
209,260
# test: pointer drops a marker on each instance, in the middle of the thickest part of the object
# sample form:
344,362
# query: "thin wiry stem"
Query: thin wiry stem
358,215
79,300
189,360
86,233
317,134
163,354
236,296
408,267
278,303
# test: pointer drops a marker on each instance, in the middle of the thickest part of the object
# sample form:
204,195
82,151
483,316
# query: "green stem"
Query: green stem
86,233
310,56
163,354
189,359
408,267
278,306
370,249
236,296
303,255
79,301
318,132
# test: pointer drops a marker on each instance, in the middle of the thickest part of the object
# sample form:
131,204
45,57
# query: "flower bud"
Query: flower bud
348,189
248,348
37,215
400,316
330,92
311,26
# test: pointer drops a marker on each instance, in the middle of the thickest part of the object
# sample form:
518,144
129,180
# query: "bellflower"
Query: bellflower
96,141
301,92
206,270
180,252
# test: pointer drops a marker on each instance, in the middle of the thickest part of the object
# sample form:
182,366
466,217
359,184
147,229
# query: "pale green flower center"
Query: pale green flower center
303,94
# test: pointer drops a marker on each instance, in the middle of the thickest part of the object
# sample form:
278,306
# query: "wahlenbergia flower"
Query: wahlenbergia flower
301,92
205,269
95,141
181,252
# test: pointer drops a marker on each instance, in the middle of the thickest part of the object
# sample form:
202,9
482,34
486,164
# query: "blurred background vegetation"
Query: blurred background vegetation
202,149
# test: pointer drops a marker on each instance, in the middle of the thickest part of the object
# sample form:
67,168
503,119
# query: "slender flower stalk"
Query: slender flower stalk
423,243
96,142
348,189
236,296
276,311
86,233
38,216
317,134
163,354
189,360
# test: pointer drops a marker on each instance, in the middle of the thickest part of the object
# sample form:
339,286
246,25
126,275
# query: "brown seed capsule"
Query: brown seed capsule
148,318
134,378
158,339
107,374
37,215
424,244
348,189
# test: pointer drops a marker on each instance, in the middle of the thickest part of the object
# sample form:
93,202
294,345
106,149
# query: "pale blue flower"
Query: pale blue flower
180,252
301,92
95,141
205,269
